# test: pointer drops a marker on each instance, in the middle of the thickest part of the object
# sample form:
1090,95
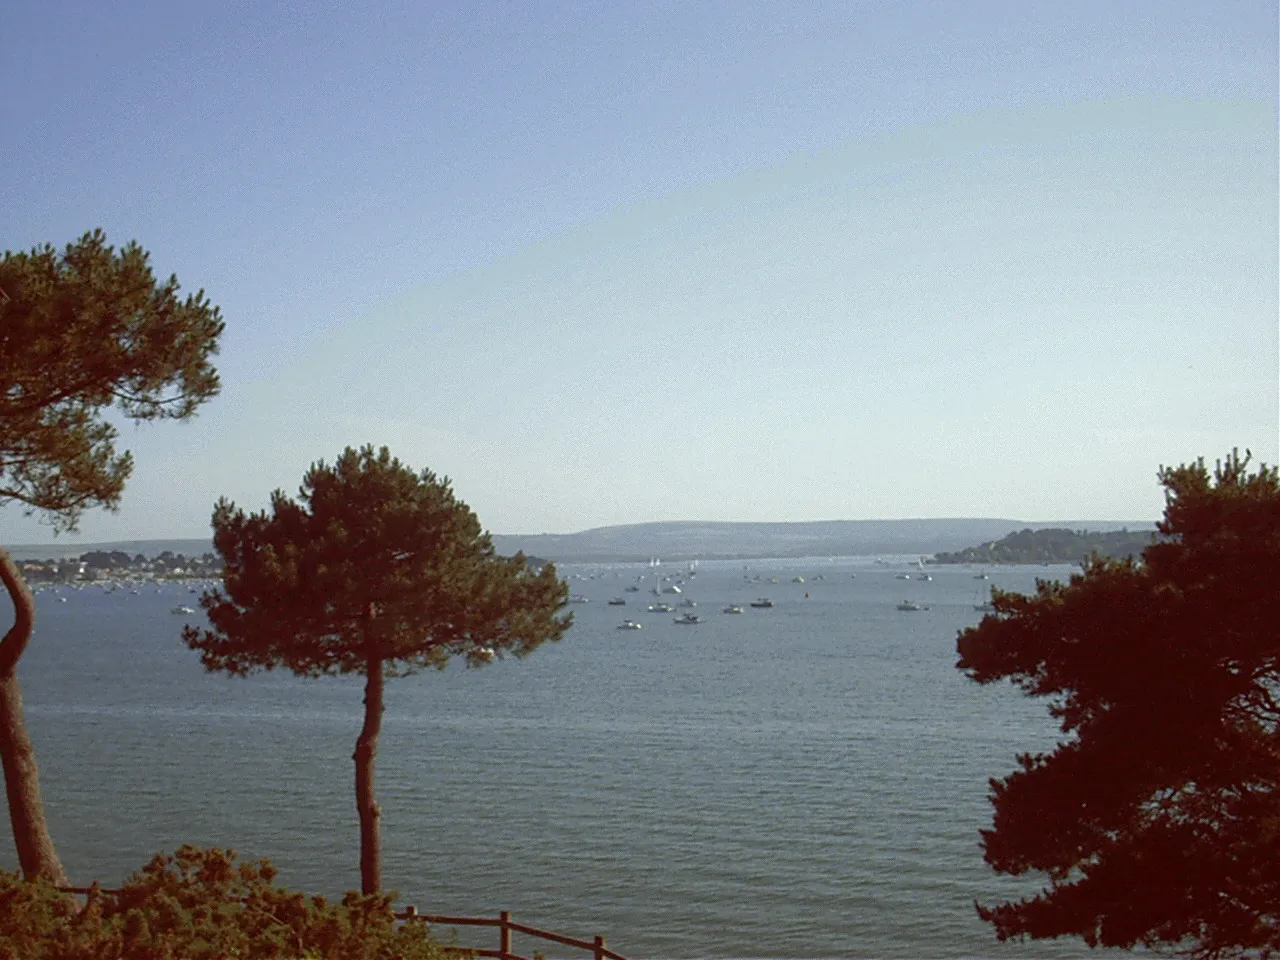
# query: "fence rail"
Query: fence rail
506,927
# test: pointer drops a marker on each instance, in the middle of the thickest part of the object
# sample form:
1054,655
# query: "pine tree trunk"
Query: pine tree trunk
365,756
36,854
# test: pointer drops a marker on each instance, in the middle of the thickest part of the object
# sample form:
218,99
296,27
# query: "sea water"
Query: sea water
803,781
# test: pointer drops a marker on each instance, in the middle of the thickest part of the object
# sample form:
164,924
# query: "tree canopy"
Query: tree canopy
82,333
1157,820
375,570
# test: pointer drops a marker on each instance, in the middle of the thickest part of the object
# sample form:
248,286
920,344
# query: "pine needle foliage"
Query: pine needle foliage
86,335
1157,819
375,570
84,332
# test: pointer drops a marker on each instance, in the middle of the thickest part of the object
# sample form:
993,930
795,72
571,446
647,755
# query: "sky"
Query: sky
605,263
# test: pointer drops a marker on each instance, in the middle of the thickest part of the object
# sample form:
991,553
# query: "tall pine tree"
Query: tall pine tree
83,332
374,570
1157,820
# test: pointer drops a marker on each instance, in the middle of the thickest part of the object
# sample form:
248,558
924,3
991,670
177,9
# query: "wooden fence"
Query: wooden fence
506,927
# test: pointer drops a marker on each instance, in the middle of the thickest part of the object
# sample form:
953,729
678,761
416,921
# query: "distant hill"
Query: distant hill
831,538
690,540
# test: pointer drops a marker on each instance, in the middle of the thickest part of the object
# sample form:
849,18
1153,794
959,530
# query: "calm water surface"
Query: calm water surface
797,782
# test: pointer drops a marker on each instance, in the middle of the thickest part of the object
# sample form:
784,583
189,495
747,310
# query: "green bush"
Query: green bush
202,905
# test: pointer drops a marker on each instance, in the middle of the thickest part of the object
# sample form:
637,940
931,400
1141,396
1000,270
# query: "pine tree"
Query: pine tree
82,332
1157,821
374,570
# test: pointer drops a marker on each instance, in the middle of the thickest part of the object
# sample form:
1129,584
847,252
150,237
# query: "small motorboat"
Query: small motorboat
617,602
628,625
732,608
910,605
687,618
762,602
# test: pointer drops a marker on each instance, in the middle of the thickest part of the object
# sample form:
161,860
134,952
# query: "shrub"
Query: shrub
202,905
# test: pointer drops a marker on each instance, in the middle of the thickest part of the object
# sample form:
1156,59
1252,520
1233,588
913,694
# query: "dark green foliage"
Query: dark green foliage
1053,545
81,332
1157,820
368,533
202,905
104,560
375,570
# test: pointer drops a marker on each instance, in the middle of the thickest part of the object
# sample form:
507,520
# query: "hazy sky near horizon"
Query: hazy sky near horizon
608,263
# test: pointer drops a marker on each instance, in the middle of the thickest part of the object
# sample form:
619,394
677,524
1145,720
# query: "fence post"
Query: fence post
599,948
504,934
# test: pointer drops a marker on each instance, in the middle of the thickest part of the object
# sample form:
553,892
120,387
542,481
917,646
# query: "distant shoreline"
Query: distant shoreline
680,542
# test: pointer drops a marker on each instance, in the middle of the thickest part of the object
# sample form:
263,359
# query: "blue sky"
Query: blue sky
606,263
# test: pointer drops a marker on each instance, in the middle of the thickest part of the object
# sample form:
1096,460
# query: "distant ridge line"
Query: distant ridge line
692,539
707,540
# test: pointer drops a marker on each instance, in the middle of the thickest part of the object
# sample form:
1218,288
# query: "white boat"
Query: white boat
687,618
578,598
924,576
661,608
910,605
732,608
182,609
686,602
797,579
904,576
671,588
628,625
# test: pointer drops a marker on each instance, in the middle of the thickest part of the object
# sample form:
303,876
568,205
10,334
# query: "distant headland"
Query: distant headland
1053,545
